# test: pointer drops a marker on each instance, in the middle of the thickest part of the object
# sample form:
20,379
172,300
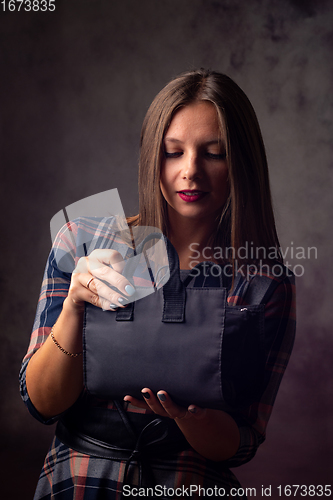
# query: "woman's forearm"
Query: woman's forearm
54,379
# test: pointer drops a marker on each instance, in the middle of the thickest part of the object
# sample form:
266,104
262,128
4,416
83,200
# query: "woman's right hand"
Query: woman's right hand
54,378
97,279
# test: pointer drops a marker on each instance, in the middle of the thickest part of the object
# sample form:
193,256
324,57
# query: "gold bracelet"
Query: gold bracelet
62,349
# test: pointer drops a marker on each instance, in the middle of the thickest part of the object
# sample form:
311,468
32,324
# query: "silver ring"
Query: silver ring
87,285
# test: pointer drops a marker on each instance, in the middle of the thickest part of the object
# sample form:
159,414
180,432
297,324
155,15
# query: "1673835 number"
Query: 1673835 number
305,491
28,5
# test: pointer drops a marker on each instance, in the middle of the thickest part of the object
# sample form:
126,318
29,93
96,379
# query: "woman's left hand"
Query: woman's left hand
162,405
212,433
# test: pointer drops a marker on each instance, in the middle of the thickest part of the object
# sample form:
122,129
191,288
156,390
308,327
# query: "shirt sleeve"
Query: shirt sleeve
75,240
279,334
53,292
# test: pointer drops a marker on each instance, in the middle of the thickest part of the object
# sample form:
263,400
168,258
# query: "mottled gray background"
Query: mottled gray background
75,85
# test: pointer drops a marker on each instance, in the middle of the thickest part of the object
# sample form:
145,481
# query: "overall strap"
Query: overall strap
257,288
261,287
127,313
173,290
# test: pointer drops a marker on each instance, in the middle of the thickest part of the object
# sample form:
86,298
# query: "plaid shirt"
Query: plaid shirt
68,474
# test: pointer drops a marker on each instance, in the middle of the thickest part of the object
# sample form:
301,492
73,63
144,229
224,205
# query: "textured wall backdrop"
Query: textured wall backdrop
75,85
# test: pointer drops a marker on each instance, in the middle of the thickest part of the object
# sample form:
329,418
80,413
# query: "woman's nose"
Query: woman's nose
192,167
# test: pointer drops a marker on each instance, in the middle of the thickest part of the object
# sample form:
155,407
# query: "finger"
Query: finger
116,280
153,402
107,265
84,289
81,266
107,296
172,409
197,412
78,293
136,402
108,274
108,257
98,258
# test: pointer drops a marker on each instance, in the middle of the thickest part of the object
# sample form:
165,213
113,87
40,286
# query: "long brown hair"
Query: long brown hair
247,218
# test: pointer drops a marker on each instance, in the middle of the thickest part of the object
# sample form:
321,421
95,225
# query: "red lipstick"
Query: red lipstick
191,195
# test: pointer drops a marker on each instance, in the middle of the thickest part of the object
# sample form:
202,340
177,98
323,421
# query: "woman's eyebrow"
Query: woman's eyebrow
172,139
207,143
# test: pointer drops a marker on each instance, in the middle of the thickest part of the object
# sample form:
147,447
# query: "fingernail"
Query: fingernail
122,301
161,397
146,395
193,410
129,289
113,306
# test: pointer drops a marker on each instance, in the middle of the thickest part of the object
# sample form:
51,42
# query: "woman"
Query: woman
203,180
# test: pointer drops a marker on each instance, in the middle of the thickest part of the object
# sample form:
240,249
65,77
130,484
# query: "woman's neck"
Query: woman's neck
191,241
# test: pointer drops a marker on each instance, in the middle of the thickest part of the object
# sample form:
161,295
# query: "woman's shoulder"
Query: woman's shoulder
257,283
80,237
87,229
273,270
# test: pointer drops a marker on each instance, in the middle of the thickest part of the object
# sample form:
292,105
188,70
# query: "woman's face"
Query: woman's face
194,172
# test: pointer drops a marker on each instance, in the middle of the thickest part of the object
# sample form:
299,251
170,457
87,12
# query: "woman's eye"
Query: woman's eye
217,156
211,156
172,155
